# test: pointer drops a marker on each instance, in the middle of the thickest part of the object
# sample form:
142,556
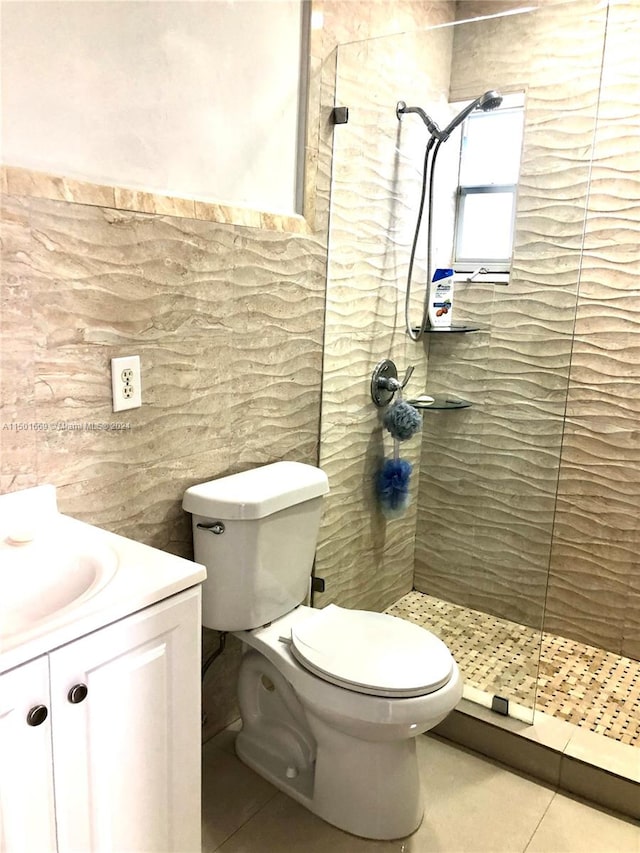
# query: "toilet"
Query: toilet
331,699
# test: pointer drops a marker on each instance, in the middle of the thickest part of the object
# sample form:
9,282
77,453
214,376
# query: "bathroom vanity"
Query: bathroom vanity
99,687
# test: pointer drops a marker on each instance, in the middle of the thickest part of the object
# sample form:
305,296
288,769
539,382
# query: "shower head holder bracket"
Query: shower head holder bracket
385,382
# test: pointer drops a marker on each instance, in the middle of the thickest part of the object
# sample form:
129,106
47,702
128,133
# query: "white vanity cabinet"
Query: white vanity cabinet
120,746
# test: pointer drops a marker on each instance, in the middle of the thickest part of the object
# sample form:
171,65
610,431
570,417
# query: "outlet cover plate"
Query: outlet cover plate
126,385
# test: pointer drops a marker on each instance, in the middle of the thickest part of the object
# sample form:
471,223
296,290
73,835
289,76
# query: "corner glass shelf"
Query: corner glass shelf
439,403
432,330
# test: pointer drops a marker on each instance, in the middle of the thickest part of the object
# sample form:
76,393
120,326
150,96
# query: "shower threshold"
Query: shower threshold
581,732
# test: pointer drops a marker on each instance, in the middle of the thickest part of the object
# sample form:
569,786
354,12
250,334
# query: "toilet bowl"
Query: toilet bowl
331,699
348,756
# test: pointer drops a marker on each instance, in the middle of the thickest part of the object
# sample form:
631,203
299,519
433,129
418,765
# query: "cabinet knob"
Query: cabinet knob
37,715
78,693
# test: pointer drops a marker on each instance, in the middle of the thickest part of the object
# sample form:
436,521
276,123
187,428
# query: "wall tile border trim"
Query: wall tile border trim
17,181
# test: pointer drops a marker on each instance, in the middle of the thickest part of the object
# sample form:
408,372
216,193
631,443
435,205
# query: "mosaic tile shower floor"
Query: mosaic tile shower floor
581,684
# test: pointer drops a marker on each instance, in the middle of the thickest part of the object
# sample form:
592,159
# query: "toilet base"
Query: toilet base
367,789
297,783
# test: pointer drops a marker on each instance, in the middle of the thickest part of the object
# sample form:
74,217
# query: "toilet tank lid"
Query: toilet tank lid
257,492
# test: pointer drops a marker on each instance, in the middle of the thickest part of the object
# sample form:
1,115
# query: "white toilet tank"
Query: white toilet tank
256,533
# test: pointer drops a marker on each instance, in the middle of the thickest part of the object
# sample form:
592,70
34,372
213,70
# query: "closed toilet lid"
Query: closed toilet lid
372,653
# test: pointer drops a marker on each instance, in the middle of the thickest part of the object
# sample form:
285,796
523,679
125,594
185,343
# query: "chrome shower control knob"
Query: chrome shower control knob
77,694
37,715
385,382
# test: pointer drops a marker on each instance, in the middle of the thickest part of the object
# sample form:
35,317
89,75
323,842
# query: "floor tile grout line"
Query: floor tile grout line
542,817
248,820
229,752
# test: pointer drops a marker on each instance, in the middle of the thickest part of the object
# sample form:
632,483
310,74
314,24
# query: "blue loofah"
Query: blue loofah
392,485
402,420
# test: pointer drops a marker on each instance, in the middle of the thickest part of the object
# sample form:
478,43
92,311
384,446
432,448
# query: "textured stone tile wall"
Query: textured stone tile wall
228,325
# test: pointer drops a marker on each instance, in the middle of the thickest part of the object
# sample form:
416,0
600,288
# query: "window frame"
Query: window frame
492,264
463,263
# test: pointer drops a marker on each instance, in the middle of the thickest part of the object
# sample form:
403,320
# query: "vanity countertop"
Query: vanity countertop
61,578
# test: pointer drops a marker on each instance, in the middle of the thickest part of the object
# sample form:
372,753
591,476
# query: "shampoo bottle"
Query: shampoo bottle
441,299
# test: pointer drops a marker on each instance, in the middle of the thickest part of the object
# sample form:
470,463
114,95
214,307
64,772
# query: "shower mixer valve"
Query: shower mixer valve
385,382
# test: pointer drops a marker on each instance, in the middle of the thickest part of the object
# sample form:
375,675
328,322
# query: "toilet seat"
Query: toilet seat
373,653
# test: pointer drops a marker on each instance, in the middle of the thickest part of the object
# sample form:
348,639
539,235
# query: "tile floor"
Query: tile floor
583,685
472,805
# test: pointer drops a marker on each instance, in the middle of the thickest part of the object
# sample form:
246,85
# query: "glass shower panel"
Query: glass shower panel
375,187
484,486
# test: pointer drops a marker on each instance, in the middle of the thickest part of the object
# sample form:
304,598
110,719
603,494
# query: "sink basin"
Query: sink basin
39,579
61,578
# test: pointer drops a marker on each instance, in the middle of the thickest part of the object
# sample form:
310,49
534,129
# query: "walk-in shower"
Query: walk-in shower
490,100
519,546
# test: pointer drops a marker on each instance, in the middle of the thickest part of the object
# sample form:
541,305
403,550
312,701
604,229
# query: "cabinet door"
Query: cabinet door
27,820
127,755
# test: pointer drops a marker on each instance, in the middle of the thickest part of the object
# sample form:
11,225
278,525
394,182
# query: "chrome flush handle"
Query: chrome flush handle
217,527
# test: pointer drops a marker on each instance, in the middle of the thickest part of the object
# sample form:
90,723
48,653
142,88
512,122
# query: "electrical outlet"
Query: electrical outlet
126,385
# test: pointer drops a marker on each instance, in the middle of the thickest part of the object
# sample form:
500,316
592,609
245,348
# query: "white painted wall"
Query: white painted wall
197,98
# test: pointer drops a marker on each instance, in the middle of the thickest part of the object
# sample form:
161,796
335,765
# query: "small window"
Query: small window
486,196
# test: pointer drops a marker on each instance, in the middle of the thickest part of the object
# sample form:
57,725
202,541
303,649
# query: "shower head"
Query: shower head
489,101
